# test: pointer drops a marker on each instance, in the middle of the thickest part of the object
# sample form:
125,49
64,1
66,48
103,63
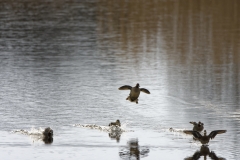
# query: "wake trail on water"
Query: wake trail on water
35,134
32,131
108,129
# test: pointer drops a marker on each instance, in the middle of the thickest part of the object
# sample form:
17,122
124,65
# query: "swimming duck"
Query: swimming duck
197,126
134,93
204,139
48,135
117,123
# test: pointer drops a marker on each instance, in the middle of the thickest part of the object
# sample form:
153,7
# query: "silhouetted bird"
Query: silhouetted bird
134,93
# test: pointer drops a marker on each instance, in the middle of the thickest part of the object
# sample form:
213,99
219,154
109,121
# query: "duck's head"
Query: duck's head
117,121
48,132
137,85
200,124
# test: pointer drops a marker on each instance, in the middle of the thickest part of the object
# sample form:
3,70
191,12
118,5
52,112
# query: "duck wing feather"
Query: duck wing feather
125,87
214,133
144,90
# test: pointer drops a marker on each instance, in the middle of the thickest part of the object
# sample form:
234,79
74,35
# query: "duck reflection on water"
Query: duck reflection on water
204,151
115,132
133,150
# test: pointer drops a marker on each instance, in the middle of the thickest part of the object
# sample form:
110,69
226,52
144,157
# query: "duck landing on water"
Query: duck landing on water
204,139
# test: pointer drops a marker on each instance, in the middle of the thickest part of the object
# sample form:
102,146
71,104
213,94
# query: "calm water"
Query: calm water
62,62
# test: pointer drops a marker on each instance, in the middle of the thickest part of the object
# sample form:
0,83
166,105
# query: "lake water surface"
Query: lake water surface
62,62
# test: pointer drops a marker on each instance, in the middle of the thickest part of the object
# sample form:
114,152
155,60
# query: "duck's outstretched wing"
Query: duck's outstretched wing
144,90
214,133
126,87
195,134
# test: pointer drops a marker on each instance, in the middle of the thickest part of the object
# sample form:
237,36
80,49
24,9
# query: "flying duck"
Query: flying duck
134,92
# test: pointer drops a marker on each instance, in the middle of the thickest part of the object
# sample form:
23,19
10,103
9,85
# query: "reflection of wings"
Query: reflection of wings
144,90
212,155
214,133
126,87
196,134
195,156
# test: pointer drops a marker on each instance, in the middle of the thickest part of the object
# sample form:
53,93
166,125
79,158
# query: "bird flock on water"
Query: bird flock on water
133,97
